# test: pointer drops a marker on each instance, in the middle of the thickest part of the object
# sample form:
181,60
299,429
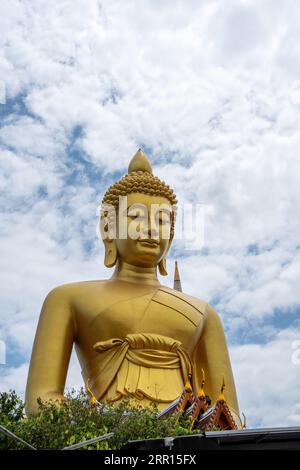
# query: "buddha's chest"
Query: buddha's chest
160,313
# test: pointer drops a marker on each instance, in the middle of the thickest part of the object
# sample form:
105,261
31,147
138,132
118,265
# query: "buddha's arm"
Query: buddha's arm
211,354
51,350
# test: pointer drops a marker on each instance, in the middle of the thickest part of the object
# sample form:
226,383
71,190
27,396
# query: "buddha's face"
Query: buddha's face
143,229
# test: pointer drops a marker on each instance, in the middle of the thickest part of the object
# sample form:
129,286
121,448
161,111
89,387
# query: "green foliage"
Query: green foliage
11,407
74,420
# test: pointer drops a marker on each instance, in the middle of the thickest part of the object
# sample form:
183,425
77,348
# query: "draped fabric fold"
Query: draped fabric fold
145,365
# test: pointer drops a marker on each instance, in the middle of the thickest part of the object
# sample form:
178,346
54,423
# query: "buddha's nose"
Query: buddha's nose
150,230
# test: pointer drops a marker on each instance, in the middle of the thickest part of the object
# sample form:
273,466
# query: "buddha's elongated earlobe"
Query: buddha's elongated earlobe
111,254
162,267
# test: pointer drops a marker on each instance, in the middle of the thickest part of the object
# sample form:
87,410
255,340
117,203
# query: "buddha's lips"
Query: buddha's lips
150,242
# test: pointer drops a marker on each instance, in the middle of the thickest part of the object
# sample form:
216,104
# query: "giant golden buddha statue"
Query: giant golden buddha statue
132,335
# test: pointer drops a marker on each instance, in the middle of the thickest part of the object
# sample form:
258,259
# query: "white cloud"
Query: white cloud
268,381
14,378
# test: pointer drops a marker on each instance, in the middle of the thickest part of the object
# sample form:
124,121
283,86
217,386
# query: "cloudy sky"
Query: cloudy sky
211,91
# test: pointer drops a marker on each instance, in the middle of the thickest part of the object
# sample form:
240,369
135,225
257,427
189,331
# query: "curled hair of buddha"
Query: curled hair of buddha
140,179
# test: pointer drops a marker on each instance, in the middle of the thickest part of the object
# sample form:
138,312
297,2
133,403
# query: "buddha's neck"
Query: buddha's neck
131,273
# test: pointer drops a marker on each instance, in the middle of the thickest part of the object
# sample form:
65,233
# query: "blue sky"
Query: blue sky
211,91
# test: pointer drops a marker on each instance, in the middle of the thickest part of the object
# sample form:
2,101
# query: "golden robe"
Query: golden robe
153,364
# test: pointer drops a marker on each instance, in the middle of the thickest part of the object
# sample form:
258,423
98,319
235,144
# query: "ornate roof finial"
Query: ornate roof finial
201,393
177,281
188,386
221,396
244,424
140,162
92,396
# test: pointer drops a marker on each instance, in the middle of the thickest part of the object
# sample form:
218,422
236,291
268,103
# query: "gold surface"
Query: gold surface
132,335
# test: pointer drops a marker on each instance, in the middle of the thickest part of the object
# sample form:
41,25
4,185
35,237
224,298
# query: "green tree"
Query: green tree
55,427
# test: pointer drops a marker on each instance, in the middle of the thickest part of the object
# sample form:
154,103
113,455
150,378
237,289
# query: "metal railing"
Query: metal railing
79,445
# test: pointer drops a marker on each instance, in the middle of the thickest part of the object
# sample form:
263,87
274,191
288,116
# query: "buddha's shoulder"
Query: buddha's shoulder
74,289
183,299
101,292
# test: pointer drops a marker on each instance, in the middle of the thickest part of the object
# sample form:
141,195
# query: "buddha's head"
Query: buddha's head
138,217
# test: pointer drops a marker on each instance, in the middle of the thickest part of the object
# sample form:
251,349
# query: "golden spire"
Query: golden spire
221,396
92,396
201,393
177,281
140,162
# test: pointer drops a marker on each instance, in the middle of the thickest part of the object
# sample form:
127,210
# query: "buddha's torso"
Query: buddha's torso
128,321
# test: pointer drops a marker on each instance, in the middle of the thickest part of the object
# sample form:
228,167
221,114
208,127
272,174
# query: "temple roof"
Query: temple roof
219,416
